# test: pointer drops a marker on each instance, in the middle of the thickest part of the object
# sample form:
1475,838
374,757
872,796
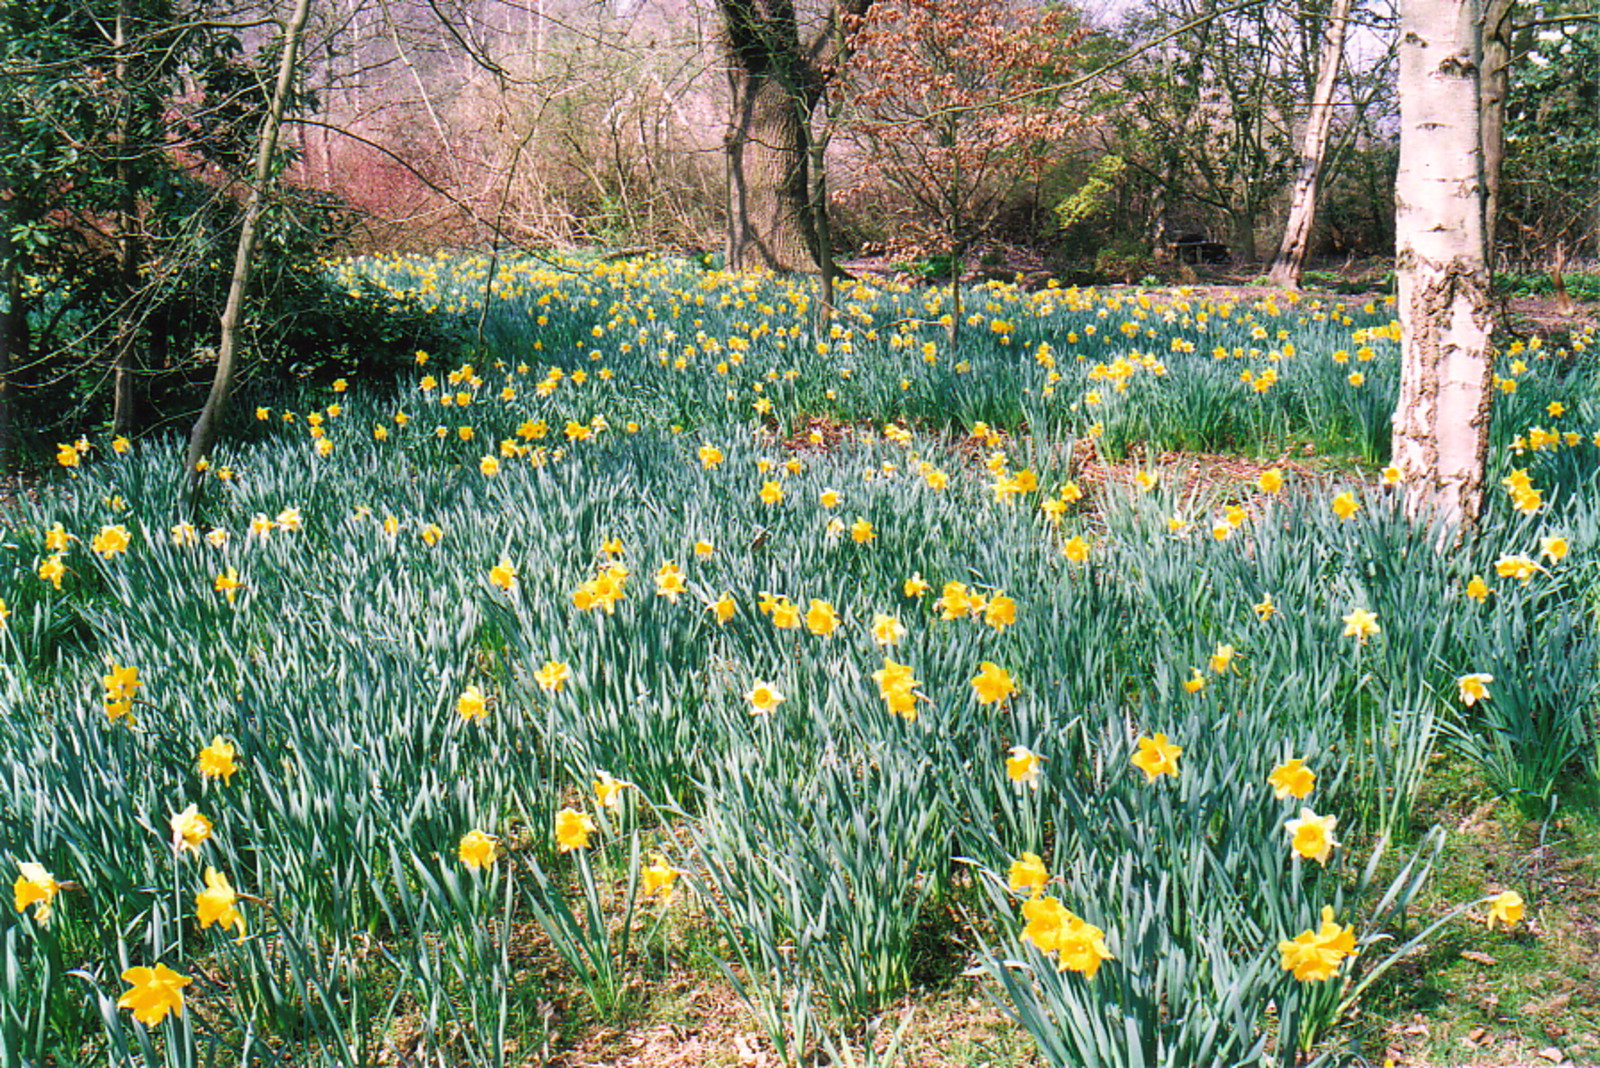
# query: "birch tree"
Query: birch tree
1440,438
1291,255
206,427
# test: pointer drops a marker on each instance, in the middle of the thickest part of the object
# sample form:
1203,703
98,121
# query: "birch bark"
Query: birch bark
1440,434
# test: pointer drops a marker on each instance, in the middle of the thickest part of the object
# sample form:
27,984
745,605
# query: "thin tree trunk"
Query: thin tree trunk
954,331
13,340
1440,439
1494,87
123,397
819,222
1289,262
204,434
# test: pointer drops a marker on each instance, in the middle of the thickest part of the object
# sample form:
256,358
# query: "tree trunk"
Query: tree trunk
821,230
1287,265
1494,87
204,434
1243,225
777,81
1440,440
123,398
13,340
769,211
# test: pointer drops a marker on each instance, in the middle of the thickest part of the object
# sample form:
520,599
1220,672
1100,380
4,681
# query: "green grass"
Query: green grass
1527,990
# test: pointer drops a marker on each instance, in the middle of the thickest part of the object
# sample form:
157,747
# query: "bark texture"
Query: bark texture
1290,260
204,434
769,187
777,78
1440,435
1494,87
13,341
128,244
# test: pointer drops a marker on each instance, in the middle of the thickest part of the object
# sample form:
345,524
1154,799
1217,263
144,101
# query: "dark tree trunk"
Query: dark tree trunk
13,344
1494,85
770,220
1244,236
777,206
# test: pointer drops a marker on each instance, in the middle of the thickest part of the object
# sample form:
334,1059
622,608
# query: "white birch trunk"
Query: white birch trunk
1286,266
1441,424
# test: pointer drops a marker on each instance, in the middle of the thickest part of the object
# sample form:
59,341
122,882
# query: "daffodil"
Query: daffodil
1345,505
723,608
1517,567
1052,928
553,676
1311,835
216,761
1028,873
503,574
228,584
1361,624
218,904
37,887
189,829
821,618
992,683
111,541
472,704
608,789
897,686
658,880
573,829
955,602
154,992
1156,757
669,581
1291,779
784,614
1506,908
1478,589
887,630
477,849
1023,766
1316,955
763,698
1000,611
1473,688
51,569
1270,480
